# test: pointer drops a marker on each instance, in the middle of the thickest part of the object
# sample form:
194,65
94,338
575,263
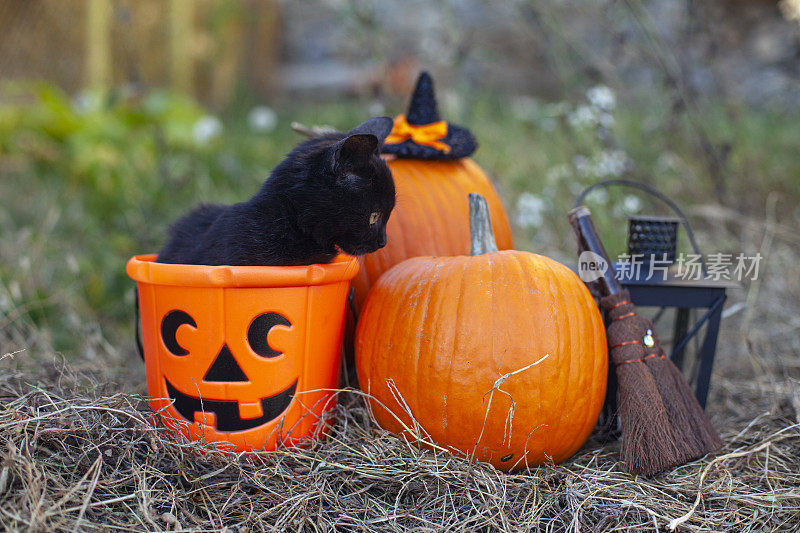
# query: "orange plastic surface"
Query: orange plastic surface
223,302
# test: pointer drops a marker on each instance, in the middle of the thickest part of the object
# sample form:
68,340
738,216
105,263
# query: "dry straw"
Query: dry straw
78,455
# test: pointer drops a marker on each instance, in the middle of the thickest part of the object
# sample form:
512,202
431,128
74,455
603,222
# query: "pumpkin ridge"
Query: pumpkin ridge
426,337
408,377
583,328
383,363
566,371
426,290
487,417
453,186
416,219
519,279
383,258
506,321
536,348
458,236
571,381
575,357
442,228
423,205
454,334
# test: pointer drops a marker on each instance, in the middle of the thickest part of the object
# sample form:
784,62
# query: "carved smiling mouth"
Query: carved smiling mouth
227,411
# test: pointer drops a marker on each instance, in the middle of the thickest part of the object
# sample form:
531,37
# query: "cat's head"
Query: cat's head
361,188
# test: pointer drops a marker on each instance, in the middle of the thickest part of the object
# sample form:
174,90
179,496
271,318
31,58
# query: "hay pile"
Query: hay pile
79,455
79,451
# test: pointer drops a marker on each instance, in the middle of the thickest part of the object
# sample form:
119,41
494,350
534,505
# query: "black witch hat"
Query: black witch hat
456,142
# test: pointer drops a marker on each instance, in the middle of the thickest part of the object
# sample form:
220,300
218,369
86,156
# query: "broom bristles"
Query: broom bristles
648,444
665,425
690,421
695,424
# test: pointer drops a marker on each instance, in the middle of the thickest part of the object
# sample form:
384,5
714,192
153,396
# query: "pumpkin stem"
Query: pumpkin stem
480,226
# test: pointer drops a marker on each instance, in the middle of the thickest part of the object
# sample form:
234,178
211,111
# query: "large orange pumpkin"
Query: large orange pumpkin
501,356
433,174
431,216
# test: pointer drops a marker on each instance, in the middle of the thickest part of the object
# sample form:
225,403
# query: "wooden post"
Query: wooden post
98,49
181,15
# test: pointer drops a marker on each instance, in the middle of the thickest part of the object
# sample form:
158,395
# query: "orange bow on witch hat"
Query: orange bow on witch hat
422,134
428,134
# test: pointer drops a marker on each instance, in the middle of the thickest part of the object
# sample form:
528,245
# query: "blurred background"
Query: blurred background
116,116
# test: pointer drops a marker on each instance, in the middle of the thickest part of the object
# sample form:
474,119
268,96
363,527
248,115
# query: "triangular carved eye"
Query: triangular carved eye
225,368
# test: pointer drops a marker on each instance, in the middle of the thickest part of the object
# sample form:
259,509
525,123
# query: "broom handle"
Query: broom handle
581,221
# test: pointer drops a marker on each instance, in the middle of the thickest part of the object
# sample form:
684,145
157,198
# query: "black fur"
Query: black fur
317,201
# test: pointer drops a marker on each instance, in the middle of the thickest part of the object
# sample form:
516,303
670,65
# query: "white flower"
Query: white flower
262,119
610,163
584,116
600,196
601,96
206,129
530,209
632,204
790,9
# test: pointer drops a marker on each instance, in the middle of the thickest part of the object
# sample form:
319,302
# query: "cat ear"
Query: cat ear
380,127
353,150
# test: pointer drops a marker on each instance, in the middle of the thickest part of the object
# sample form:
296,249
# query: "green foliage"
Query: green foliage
86,183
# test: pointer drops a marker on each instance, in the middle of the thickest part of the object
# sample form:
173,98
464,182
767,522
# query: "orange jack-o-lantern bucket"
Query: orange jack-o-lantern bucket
243,354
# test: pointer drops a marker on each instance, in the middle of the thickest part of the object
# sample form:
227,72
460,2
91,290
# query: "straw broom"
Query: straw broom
663,425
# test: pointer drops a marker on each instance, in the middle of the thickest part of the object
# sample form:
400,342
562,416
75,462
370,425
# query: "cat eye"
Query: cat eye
373,218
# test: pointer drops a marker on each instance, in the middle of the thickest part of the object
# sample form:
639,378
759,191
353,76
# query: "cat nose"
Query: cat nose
382,239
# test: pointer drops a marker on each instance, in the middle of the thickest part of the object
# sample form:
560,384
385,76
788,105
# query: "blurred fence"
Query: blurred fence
201,47
748,50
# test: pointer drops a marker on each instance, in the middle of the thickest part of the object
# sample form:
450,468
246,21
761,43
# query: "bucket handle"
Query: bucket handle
137,324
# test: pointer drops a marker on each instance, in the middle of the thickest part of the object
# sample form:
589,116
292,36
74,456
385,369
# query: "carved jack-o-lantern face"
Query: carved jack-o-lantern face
229,364
225,369
246,355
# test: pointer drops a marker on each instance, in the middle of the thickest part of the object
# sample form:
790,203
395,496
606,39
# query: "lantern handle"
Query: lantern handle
652,191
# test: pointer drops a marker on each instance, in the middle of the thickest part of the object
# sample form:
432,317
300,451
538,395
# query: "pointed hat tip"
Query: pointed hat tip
422,109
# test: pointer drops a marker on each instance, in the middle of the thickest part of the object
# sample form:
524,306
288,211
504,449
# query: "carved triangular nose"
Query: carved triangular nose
225,368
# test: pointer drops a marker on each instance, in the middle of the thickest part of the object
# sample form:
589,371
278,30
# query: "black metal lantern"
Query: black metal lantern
653,238
650,239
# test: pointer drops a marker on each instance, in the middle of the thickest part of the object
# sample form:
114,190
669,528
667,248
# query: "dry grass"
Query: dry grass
78,455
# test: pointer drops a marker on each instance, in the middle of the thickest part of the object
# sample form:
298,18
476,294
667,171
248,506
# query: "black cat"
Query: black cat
331,193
